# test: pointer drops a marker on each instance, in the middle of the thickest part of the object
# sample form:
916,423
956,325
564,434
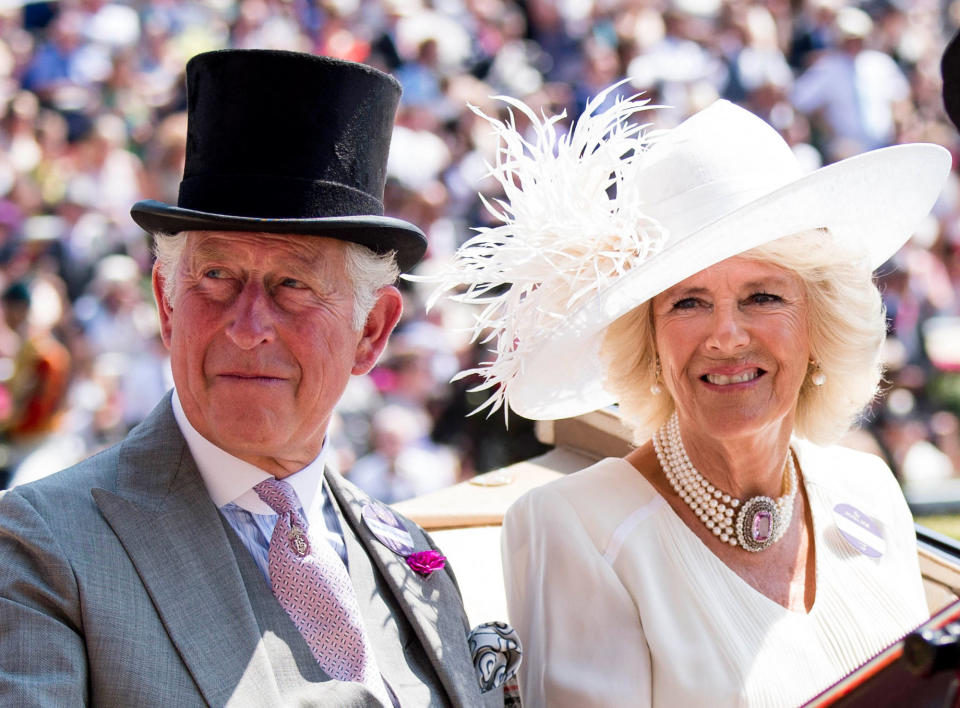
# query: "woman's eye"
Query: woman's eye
765,298
292,283
213,273
687,303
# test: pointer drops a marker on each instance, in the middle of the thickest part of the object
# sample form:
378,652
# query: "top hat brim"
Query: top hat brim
381,234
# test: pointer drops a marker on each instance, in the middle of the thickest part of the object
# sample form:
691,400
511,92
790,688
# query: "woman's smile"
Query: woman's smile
717,379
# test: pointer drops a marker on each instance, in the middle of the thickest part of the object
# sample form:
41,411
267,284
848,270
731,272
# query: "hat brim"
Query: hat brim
872,202
381,234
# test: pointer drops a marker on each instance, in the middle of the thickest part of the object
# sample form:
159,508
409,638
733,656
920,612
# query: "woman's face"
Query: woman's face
734,347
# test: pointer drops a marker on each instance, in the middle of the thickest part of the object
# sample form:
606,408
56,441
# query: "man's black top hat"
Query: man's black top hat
284,142
950,69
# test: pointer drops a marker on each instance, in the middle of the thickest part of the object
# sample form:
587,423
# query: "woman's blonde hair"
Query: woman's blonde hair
846,327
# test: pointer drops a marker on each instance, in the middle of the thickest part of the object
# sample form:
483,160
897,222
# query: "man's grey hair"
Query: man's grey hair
367,271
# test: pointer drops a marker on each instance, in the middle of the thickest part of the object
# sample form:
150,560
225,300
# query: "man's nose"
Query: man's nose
728,331
252,317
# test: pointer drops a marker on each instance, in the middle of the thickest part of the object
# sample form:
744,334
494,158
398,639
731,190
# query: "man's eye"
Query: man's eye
292,283
213,273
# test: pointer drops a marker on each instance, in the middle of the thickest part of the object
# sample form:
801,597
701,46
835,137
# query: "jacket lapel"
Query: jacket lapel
172,532
432,605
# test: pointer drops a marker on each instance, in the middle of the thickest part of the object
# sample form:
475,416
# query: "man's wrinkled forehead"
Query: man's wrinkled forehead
224,244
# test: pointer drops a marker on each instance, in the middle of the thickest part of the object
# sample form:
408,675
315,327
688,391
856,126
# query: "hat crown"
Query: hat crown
276,134
715,162
291,143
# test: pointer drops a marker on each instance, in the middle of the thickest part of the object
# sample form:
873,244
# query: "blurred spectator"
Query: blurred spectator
811,31
92,118
105,174
38,379
759,75
114,314
681,71
404,463
858,91
57,65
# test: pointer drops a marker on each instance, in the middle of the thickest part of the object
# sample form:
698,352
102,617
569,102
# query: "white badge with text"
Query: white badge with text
859,530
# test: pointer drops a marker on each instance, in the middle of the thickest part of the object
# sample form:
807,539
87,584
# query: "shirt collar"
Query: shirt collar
230,480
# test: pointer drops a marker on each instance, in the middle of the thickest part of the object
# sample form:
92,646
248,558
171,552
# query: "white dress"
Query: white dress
618,603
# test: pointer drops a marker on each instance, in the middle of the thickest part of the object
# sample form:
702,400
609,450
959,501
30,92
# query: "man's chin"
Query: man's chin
246,432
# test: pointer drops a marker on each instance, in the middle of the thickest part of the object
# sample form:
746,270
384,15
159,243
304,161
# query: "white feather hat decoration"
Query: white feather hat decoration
567,230
596,222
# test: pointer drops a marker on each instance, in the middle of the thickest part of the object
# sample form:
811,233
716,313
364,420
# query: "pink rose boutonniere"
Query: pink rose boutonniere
425,562
392,533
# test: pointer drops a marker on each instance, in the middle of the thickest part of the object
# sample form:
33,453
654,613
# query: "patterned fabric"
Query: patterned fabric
256,530
313,586
496,653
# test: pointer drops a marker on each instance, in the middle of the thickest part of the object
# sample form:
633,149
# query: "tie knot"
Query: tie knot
278,495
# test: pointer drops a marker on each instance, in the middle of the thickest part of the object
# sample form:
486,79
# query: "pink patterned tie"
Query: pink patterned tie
313,586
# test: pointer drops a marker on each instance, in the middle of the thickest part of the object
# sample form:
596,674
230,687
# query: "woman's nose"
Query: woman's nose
728,331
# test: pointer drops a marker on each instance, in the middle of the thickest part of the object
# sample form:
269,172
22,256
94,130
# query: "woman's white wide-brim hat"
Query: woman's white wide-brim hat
719,184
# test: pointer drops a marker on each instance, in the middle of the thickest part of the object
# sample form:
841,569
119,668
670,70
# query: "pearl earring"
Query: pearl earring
817,378
655,388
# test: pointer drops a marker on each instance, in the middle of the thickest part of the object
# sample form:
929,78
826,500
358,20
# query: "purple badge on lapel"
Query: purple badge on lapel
387,527
859,530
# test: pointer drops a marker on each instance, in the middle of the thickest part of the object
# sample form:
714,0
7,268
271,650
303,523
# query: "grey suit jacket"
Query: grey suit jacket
121,585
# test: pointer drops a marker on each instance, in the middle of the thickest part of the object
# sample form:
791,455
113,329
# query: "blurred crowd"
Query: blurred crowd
92,119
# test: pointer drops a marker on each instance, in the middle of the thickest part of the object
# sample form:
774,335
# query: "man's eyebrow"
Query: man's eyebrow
306,266
211,251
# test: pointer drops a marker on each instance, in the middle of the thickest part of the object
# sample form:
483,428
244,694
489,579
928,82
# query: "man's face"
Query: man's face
261,341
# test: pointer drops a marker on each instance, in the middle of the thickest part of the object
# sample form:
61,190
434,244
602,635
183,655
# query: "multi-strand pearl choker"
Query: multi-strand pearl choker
760,522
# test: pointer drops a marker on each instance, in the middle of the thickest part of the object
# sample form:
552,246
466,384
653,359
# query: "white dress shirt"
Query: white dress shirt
230,481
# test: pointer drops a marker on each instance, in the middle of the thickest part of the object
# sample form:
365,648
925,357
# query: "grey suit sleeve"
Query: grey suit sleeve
42,651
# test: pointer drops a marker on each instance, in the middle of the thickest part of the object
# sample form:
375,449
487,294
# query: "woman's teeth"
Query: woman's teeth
721,380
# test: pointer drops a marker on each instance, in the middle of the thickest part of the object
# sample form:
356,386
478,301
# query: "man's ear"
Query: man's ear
163,307
376,331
